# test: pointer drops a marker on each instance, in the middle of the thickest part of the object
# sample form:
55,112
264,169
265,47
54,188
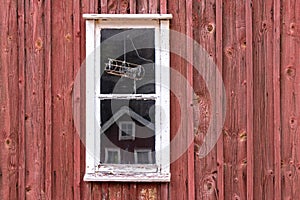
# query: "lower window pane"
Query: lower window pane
128,125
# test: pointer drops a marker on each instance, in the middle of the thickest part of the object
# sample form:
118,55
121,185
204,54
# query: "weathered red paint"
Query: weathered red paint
255,45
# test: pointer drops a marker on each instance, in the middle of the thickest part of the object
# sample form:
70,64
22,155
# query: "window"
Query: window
112,155
142,156
127,97
126,130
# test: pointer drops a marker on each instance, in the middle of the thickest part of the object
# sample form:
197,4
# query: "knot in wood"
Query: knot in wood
236,197
8,142
293,122
229,52
243,43
290,72
292,28
68,37
210,27
38,44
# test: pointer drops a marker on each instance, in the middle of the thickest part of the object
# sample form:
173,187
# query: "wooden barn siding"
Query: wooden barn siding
256,45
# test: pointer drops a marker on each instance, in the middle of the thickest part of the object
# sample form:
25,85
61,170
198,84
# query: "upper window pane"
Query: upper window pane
127,61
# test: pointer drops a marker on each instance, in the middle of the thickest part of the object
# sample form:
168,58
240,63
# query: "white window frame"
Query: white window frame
136,151
160,171
113,150
130,137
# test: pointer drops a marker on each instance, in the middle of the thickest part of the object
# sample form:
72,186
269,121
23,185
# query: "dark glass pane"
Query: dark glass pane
127,61
143,158
112,157
139,112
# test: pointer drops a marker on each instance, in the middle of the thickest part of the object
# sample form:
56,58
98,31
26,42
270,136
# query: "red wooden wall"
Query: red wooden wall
256,45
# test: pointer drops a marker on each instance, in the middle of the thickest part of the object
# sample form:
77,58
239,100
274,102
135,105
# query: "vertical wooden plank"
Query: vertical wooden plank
132,4
77,17
290,97
164,191
219,62
48,103
62,79
153,6
241,91
113,6
96,191
234,76
21,65
249,64
104,6
189,119
263,103
34,100
9,112
178,102
204,22
163,7
124,6
125,191
276,96
146,191
87,190
142,6
115,191
133,191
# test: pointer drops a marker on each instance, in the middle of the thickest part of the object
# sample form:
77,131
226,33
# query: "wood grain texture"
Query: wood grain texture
103,6
124,7
34,100
132,5
153,6
178,101
87,190
277,96
76,92
113,6
263,103
48,103
234,77
250,133
9,121
142,6
290,110
204,22
62,86
219,62
189,102
163,6
22,83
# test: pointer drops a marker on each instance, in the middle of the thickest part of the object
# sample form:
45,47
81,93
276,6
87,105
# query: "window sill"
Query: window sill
127,177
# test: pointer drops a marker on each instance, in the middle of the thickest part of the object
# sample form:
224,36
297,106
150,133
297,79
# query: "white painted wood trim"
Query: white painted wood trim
126,168
127,16
127,24
165,96
128,96
90,96
158,71
97,72
135,177
160,172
